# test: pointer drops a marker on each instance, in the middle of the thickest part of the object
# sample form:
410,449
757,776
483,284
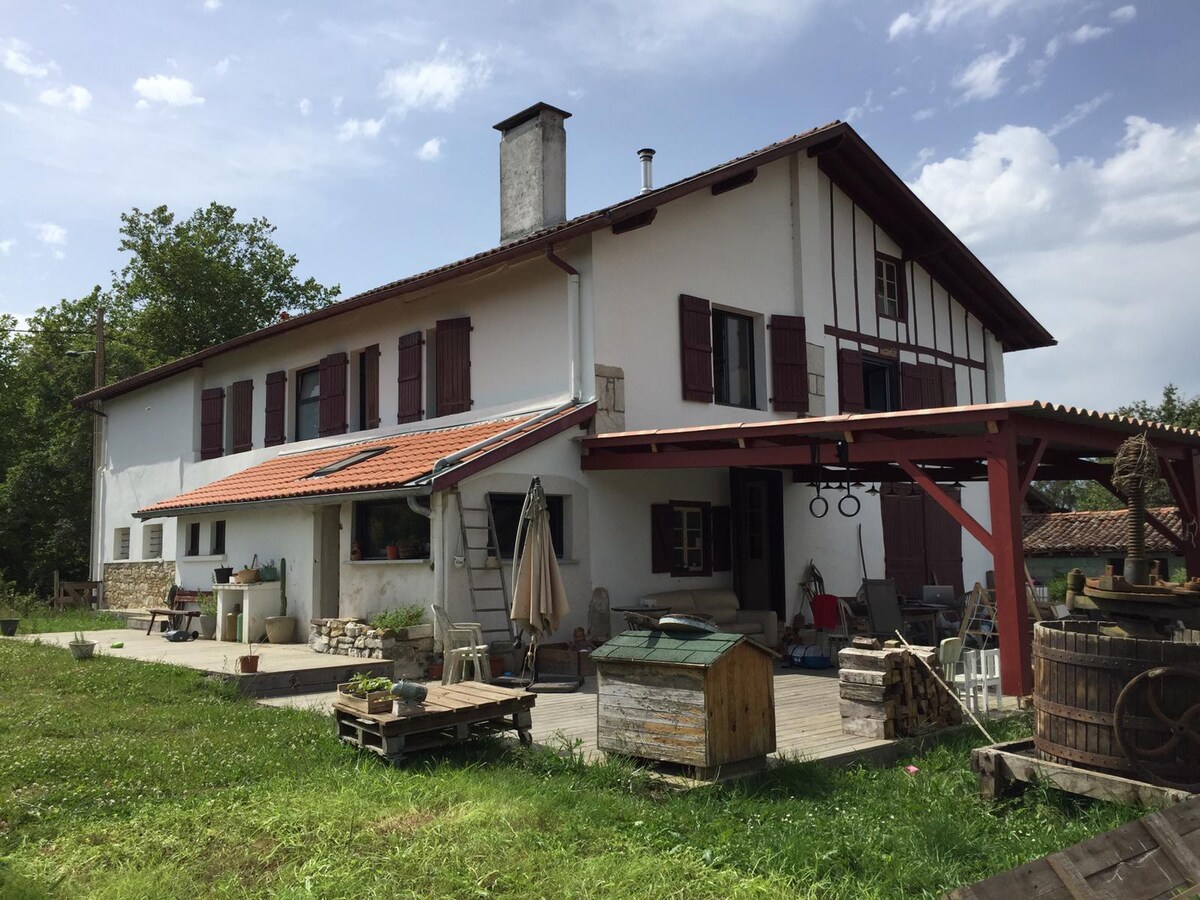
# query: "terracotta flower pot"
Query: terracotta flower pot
393,552
247,665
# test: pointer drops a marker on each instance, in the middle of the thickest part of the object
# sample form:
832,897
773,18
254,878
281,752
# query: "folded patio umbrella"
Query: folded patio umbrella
539,598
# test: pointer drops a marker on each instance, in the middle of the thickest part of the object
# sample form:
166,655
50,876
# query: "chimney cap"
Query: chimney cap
526,114
646,151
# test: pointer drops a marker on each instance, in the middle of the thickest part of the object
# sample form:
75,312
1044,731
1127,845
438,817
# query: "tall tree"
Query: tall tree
194,283
1173,409
186,286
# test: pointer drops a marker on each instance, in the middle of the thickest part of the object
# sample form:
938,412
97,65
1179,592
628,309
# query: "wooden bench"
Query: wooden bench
173,611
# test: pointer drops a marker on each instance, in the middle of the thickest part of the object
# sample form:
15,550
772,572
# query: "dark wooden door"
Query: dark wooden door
756,500
922,544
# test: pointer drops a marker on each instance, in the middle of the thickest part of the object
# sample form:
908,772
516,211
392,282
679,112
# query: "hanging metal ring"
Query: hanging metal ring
857,506
824,506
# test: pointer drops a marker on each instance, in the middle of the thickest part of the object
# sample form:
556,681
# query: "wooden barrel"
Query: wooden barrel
1079,674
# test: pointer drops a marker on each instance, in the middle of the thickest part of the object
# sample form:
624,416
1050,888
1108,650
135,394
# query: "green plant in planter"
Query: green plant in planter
400,617
207,603
362,684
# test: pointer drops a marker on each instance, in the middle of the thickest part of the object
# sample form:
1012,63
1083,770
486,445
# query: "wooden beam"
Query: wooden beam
950,505
1031,467
1012,615
734,182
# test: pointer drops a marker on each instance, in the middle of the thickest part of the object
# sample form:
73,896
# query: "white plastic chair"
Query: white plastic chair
960,667
462,642
987,678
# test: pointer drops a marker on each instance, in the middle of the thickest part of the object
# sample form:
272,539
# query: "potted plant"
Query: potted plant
281,628
222,575
81,647
393,551
248,575
8,621
208,614
247,664
269,572
366,693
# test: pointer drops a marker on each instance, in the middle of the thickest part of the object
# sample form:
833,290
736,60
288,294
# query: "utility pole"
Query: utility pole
96,563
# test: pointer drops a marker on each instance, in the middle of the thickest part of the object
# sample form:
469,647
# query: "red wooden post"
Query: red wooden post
1185,487
1016,673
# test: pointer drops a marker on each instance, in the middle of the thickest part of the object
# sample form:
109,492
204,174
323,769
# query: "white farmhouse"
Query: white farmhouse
803,281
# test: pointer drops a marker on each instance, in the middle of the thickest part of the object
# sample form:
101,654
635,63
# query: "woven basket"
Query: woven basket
245,576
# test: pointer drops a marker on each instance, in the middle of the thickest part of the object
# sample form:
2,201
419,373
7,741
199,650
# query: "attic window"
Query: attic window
353,460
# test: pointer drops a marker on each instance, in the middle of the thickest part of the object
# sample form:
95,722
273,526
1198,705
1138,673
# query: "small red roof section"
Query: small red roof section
1101,532
396,462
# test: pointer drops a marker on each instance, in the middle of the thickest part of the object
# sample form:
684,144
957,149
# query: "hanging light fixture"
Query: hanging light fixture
872,490
958,484
856,484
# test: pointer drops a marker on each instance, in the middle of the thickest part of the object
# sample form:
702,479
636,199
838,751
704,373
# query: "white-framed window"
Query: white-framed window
191,545
120,543
152,541
734,369
889,287
687,525
217,538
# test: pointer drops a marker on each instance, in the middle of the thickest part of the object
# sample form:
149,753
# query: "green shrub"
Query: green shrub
400,617
1056,588
1179,575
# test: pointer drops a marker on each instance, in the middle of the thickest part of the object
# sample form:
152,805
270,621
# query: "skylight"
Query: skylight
352,460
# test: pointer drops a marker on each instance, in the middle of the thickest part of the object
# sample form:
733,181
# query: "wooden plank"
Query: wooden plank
1173,846
1075,883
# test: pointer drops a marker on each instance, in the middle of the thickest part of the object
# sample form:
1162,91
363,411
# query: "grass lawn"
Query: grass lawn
42,620
134,780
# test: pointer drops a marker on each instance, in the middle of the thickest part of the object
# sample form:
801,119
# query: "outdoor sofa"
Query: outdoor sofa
722,604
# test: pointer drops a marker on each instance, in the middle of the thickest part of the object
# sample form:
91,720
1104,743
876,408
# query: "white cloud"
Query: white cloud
984,77
436,83
222,67
16,57
212,5
899,92
431,149
1085,33
6,246
304,106
922,114
165,89
1080,112
854,113
356,128
50,234
934,15
1096,248
73,97
1123,14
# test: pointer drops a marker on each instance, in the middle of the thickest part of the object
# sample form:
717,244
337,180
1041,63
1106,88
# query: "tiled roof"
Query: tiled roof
675,648
403,461
1100,532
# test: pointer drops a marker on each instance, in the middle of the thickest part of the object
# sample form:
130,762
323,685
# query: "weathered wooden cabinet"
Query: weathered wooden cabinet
703,700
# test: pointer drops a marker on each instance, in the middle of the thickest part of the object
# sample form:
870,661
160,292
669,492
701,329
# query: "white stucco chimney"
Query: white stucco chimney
533,170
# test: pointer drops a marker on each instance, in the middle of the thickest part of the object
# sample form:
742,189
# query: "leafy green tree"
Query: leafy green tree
187,285
194,283
1173,409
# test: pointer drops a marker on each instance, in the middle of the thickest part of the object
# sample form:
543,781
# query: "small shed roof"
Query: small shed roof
674,648
1100,532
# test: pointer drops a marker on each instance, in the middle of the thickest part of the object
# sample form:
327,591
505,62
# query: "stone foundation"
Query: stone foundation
410,648
138,585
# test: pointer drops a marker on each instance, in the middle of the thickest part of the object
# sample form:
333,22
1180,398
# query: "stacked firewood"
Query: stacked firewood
890,693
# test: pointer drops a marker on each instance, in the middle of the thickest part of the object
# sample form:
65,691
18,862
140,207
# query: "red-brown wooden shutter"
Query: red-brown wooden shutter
706,526
943,543
789,364
453,338
242,415
931,385
850,381
695,348
212,422
370,362
949,388
662,537
333,394
912,386
276,418
902,510
409,405
722,539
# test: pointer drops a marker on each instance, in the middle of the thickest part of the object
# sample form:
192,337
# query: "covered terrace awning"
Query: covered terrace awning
1008,445
417,462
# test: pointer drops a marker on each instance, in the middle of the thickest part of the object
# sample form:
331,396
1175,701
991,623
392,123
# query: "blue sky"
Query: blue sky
1061,140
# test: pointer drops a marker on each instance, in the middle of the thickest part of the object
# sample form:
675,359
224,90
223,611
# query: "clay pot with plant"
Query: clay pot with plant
247,664
281,629
81,647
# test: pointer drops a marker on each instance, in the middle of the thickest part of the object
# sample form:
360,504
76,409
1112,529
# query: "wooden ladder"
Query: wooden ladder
486,584
979,612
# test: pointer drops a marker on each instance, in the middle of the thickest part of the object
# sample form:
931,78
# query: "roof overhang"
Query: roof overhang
413,464
841,153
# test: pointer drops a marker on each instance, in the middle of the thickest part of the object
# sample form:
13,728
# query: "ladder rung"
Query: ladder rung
489,589
474,509
491,609
476,527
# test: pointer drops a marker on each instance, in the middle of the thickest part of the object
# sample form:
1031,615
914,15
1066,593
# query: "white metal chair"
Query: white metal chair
462,642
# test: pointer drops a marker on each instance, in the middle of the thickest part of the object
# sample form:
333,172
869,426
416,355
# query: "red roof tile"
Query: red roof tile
402,460
1099,532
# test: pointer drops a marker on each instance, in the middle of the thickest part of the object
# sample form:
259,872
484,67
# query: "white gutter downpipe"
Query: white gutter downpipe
575,381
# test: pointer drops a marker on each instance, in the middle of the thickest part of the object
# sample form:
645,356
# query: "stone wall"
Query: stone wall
411,648
138,585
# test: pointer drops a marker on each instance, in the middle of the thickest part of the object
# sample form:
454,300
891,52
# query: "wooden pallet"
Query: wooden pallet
1004,769
452,713
1156,856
